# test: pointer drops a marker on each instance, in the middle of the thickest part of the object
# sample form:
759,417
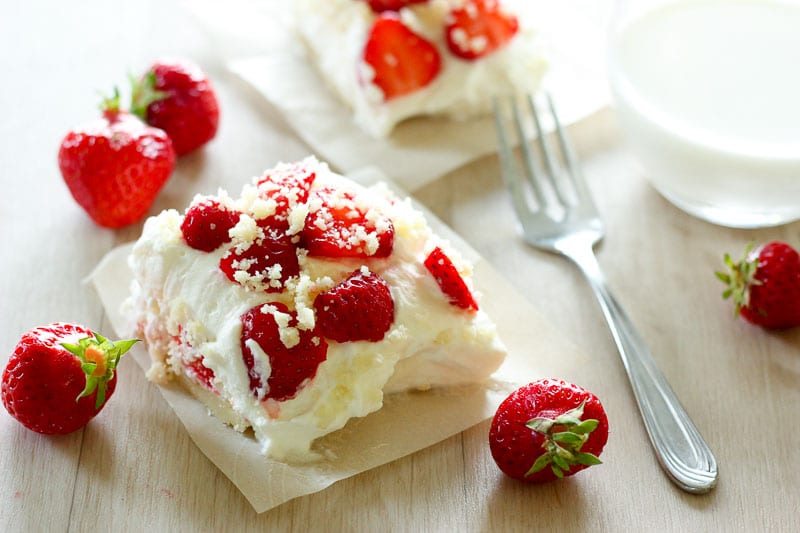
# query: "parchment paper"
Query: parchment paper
407,423
276,65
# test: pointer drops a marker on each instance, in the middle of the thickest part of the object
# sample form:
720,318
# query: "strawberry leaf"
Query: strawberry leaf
588,459
99,357
568,437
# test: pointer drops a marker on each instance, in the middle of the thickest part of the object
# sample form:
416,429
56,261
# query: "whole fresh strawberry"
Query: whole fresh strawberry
477,28
765,285
400,60
116,165
60,376
176,96
546,430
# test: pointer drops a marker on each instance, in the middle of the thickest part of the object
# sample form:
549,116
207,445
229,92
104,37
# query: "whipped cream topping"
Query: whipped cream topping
335,32
187,309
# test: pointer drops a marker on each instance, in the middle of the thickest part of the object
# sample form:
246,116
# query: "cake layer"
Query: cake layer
337,32
294,339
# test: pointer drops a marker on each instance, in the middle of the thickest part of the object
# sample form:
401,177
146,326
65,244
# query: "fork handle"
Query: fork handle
680,448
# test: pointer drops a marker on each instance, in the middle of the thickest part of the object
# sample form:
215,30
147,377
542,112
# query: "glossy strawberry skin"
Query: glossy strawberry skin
379,6
479,28
42,381
515,447
449,280
262,256
402,61
774,301
288,186
329,229
190,111
360,308
206,225
289,367
765,285
115,167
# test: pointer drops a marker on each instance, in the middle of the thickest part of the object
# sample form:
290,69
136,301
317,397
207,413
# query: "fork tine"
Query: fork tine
529,164
547,152
582,193
507,163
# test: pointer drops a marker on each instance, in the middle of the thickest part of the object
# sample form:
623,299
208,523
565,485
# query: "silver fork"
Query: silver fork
557,214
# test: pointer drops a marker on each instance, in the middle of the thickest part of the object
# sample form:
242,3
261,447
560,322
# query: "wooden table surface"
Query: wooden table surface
134,467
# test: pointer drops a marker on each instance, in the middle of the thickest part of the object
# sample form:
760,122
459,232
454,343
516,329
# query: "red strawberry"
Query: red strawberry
176,96
193,361
206,224
478,28
288,185
60,376
765,285
337,226
115,166
267,264
450,281
401,60
360,308
203,374
379,6
548,429
292,360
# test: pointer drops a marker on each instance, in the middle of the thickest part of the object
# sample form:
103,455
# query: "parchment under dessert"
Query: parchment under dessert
535,350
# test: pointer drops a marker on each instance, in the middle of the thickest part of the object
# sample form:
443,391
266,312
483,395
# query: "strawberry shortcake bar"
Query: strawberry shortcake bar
299,304
390,60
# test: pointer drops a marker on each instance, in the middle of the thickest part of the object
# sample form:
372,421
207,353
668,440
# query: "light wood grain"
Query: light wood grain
135,464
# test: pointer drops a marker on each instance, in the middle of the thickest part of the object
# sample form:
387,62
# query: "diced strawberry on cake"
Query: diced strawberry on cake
390,60
299,304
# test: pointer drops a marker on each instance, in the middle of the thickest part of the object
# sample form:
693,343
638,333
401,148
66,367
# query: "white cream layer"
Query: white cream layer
180,291
335,32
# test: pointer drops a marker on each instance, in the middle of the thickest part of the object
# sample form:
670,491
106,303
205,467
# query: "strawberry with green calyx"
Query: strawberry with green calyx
547,430
60,376
175,95
115,166
99,358
765,285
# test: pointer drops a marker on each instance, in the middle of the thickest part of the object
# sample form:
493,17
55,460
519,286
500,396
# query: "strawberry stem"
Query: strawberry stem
739,277
144,93
110,104
99,358
564,436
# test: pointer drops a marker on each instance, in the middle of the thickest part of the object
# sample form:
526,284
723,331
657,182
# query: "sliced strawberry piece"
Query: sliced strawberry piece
360,308
402,61
293,357
379,6
478,28
206,224
288,185
450,281
193,361
198,370
267,264
337,226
